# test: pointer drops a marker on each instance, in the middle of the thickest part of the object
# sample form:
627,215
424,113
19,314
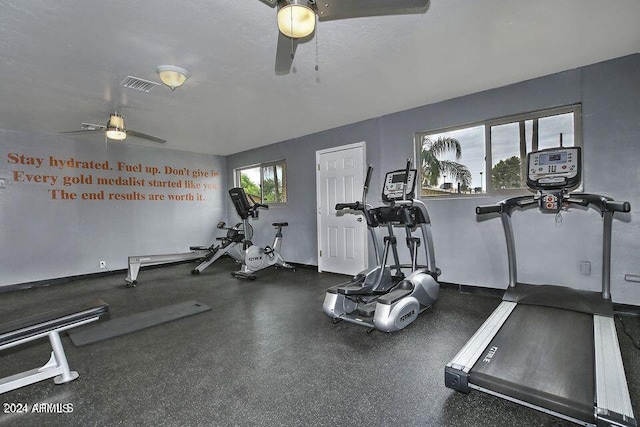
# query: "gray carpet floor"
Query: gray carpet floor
265,355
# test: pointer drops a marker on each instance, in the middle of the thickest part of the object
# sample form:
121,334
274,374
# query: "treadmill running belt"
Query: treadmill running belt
543,356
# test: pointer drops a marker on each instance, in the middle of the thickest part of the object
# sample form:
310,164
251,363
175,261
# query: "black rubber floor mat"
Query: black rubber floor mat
136,322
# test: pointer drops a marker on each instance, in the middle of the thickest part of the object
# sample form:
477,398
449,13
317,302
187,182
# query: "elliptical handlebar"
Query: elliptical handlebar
406,179
359,206
356,206
367,181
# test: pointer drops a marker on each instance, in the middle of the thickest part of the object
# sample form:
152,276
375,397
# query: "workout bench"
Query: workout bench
48,324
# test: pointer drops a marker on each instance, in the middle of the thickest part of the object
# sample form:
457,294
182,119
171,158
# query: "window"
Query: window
491,156
265,183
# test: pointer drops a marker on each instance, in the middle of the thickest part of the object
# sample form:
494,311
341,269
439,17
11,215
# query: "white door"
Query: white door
342,237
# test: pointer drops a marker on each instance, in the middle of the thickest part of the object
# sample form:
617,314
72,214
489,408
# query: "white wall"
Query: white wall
43,238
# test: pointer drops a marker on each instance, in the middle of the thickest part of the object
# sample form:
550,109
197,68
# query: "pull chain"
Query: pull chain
316,37
291,16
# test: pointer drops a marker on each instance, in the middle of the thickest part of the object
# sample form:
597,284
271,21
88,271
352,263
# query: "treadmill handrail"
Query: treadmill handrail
600,203
603,204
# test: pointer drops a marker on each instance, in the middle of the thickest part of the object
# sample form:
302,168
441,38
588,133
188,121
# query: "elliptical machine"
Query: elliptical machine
255,258
376,298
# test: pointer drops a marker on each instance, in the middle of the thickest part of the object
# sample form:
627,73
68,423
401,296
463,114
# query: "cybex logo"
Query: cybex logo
490,354
406,316
255,258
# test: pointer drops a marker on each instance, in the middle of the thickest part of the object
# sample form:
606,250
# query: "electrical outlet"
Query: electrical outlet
585,268
103,264
2,183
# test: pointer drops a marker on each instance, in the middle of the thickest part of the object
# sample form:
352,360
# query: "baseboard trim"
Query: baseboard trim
58,280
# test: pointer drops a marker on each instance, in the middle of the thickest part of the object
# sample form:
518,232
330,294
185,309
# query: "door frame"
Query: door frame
319,234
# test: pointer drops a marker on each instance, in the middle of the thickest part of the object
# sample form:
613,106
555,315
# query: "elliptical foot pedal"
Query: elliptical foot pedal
367,310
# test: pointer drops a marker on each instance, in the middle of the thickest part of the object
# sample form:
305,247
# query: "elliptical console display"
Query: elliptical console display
395,187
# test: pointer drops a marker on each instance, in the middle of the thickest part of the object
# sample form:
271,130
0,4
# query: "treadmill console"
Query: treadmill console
554,168
394,185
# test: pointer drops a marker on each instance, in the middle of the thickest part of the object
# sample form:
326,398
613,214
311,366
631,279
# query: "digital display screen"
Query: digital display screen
398,177
552,158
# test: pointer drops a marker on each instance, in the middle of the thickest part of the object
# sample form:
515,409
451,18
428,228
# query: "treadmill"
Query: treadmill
551,348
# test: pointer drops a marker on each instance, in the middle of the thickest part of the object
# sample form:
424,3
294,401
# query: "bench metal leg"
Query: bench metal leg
57,367
66,375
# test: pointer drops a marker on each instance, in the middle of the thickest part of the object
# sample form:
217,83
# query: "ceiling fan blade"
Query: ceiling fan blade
342,9
84,131
145,136
87,127
271,3
285,53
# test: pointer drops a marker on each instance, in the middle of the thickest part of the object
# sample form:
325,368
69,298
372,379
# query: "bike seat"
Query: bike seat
280,224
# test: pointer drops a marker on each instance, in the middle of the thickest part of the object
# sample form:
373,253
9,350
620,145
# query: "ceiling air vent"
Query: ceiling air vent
137,83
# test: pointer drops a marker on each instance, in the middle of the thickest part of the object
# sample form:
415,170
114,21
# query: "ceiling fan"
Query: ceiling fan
115,129
297,19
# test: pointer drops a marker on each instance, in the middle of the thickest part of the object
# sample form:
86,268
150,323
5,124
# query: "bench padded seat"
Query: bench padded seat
51,320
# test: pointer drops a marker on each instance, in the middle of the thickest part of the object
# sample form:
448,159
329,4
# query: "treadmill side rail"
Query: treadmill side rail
613,404
457,371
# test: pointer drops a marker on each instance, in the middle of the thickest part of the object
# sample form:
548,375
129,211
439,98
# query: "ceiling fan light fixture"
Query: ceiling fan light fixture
296,19
172,76
115,128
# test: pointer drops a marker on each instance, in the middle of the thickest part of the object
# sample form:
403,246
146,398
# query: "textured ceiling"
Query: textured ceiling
62,62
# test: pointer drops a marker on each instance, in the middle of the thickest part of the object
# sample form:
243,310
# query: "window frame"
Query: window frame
261,166
576,109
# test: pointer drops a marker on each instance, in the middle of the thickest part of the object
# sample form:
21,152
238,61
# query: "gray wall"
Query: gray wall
43,238
472,251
